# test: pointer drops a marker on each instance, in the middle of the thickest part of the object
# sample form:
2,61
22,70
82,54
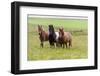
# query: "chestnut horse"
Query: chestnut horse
65,38
43,35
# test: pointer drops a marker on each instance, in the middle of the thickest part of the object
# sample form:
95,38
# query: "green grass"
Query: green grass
66,23
79,42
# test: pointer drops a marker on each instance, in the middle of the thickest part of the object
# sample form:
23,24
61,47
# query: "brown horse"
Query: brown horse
43,35
65,38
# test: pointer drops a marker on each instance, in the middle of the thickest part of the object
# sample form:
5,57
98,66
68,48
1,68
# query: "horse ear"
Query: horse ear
38,25
41,25
59,28
62,28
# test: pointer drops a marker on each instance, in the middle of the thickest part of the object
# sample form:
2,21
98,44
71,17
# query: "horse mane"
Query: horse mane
51,29
61,30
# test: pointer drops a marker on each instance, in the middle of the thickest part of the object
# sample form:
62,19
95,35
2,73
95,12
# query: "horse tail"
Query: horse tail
70,43
70,40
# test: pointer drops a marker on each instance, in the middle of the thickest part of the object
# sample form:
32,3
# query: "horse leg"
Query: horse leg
66,44
60,44
49,41
63,45
70,43
57,44
51,44
41,44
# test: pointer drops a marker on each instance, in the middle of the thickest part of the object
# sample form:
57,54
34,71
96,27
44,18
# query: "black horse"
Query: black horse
52,35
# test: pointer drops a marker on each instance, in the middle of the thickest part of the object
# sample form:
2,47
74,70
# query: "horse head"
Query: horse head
51,29
61,32
40,29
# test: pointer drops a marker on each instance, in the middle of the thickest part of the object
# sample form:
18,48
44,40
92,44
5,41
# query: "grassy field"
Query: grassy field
77,27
